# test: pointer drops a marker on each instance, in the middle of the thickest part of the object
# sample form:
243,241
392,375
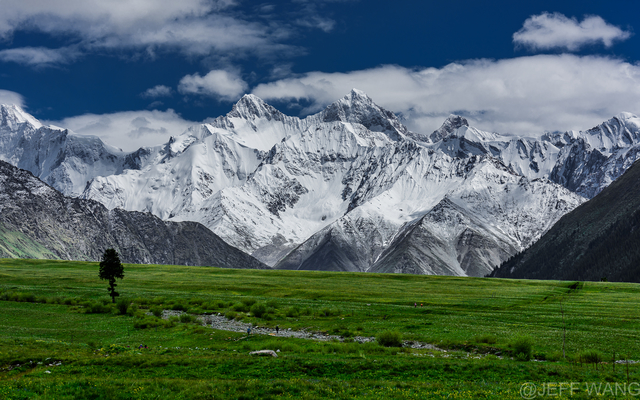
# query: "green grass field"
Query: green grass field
61,338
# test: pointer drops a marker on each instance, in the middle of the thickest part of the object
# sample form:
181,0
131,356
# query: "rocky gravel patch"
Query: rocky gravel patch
220,322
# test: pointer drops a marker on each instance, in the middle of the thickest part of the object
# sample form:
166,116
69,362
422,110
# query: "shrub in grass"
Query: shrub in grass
26,297
306,311
390,339
132,309
221,304
554,356
92,307
122,305
248,302
328,312
178,306
141,302
187,318
522,348
241,307
196,310
590,356
292,312
156,310
196,302
230,314
158,300
291,348
486,339
146,322
258,310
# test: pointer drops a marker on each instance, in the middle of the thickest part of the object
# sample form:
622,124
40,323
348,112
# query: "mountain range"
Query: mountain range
347,189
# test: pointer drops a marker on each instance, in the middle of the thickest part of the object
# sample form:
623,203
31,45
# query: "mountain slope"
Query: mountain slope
597,240
481,207
36,221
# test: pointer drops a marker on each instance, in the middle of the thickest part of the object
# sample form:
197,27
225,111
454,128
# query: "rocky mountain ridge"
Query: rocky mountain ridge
37,221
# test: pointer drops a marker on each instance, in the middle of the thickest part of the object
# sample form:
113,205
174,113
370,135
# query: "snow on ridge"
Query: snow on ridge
13,114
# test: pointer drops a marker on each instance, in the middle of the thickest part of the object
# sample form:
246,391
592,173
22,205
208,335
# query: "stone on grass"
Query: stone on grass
264,353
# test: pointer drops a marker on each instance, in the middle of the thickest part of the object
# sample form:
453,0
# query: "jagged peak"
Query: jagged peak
456,121
12,115
251,106
356,100
358,95
624,116
357,107
449,126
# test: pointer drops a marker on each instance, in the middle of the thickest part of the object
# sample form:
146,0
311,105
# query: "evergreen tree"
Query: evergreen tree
110,269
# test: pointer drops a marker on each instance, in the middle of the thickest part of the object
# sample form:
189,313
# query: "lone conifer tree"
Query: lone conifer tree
110,269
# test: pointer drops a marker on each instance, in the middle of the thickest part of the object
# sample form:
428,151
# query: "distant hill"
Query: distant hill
599,239
37,221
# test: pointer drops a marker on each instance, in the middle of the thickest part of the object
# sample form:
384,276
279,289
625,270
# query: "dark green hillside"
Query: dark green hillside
599,239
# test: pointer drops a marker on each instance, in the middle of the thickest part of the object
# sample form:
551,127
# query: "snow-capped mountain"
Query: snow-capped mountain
349,188
584,162
61,158
591,160
38,221
458,217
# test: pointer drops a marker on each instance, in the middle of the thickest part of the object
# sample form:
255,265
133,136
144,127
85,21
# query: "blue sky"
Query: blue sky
137,72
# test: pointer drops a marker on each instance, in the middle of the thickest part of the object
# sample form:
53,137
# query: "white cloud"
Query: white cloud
222,84
193,27
525,95
551,31
8,97
316,21
157,91
128,130
39,56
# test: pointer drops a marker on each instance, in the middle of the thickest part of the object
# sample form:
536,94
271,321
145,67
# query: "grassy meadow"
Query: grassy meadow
61,338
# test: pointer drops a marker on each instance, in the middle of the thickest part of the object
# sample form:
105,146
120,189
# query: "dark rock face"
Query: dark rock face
36,221
599,239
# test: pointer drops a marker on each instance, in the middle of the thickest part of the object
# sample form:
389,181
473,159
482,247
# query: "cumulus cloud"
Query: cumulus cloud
157,91
222,84
193,27
8,97
525,95
556,31
128,130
